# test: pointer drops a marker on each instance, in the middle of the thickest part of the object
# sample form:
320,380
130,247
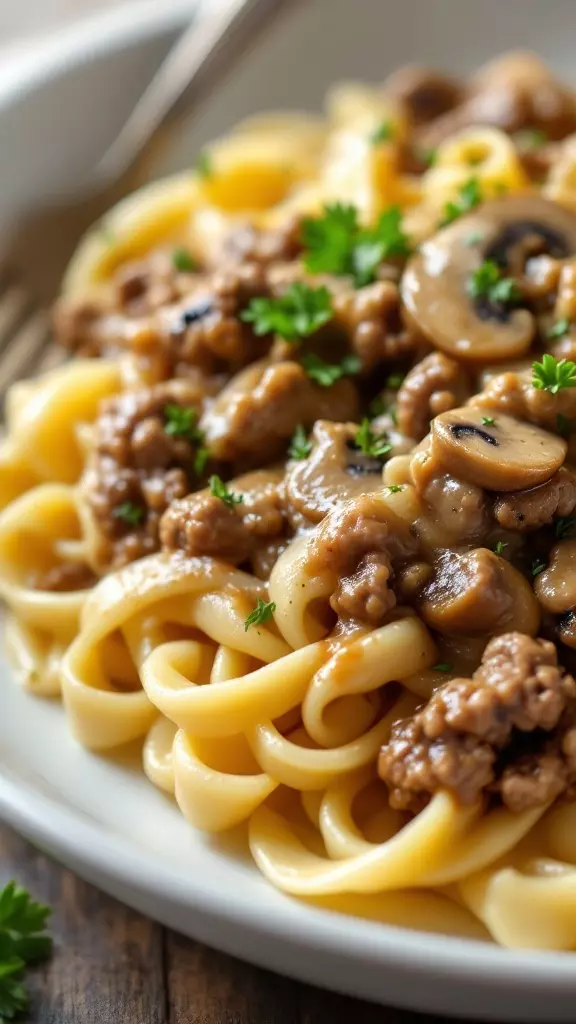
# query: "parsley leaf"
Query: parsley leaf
326,374
499,547
474,238
182,260
181,422
219,489
559,329
427,156
395,488
300,446
129,513
22,942
488,421
370,443
565,527
204,164
530,138
383,133
263,611
395,380
470,195
553,375
487,282
442,666
538,566
296,314
335,244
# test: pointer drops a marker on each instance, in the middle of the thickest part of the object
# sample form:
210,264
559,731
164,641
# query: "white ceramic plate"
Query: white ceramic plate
58,109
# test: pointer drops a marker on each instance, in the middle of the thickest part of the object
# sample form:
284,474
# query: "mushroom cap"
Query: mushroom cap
434,285
506,455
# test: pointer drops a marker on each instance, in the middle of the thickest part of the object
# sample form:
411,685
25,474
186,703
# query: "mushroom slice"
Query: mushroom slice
505,455
334,472
435,284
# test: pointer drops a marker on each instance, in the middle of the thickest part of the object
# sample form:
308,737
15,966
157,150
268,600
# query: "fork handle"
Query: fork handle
194,63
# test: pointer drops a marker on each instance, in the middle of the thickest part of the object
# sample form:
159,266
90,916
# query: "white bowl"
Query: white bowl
59,107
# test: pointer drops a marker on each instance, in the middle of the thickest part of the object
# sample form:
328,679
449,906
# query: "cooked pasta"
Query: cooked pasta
299,516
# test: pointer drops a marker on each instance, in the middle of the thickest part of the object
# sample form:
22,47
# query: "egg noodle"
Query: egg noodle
276,727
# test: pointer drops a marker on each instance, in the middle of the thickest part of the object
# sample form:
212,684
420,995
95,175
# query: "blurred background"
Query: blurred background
20,21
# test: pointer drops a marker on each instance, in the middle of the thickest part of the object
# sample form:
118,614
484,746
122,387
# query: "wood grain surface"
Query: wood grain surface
112,966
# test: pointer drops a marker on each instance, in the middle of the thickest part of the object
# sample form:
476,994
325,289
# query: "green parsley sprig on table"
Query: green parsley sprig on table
297,314
326,374
470,196
488,282
22,942
263,611
336,244
553,375
370,443
300,445
219,489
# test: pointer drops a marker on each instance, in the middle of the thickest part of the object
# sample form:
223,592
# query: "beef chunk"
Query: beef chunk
538,506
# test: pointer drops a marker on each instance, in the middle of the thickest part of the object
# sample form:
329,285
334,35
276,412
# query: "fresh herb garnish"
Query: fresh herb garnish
395,488
499,547
531,138
553,375
200,460
383,133
263,611
297,314
182,260
563,425
326,374
427,156
395,380
335,243
300,446
560,329
488,421
487,282
219,489
22,941
538,566
470,195
129,513
370,443
181,422
474,238
565,526
442,666
204,164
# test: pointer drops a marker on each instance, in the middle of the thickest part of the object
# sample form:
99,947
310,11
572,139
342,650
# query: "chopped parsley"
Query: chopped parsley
560,329
204,165
395,488
531,138
335,243
488,421
181,422
537,567
442,666
200,460
383,133
370,443
326,374
129,513
297,314
23,941
563,425
564,527
182,260
553,375
263,611
470,195
499,547
474,238
394,381
219,489
427,156
300,446
487,282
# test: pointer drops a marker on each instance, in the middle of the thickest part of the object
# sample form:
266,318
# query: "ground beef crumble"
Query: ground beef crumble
538,506
463,739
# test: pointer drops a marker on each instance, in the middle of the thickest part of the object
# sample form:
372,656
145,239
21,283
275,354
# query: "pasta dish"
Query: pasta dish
299,515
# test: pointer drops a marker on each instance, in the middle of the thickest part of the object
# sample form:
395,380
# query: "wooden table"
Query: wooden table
112,966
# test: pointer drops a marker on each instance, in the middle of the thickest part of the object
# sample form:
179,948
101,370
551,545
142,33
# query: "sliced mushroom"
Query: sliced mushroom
506,455
478,594
435,283
555,588
335,471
